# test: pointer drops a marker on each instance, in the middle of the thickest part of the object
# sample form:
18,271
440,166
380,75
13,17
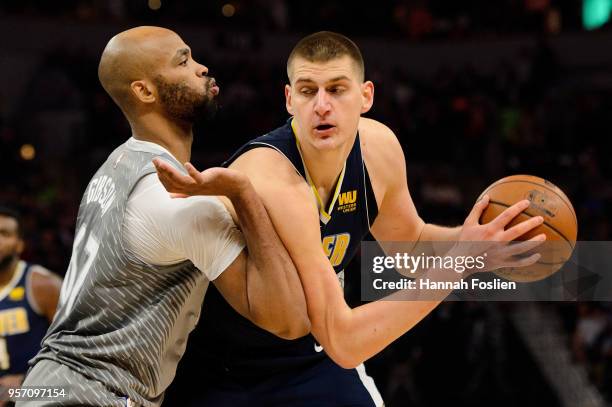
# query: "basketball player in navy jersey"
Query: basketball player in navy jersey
28,300
327,178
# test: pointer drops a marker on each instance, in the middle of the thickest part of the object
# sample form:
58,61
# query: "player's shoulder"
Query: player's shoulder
41,274
275,178
373,130
43,288
267,164
379,144
43,281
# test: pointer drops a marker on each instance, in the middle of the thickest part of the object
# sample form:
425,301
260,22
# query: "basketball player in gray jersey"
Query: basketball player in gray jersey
141,260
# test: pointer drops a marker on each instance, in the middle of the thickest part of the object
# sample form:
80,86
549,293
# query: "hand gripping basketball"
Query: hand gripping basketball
213,181
548,201
494,238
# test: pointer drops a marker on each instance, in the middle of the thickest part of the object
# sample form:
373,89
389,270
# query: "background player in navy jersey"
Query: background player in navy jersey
28,300
327,178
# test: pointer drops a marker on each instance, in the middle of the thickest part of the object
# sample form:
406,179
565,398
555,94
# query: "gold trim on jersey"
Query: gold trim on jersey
19,270
17,294
324,214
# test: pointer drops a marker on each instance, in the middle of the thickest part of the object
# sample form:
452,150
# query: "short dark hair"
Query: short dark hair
9,212
324,46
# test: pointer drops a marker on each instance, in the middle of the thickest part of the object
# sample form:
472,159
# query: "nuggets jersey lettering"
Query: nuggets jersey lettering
228,344
21,326
121,322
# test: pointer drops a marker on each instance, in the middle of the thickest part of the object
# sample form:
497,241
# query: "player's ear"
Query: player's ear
367,95
143,91
288,99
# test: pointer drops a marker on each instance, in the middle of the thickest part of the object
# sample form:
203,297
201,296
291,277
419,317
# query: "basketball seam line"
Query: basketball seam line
566,201
545,223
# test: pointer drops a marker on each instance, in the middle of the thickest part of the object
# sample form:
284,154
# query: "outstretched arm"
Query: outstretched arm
349,336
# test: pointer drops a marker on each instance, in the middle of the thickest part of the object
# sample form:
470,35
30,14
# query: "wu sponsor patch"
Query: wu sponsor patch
347,201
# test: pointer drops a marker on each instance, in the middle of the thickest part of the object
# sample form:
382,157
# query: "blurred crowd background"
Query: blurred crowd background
535,109
408,19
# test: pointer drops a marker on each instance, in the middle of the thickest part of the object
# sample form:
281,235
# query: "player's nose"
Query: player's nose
202,70
322,105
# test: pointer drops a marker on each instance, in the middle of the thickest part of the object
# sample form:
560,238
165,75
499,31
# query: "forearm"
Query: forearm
441,235
357,334
375,325
435,233
275,295
368,329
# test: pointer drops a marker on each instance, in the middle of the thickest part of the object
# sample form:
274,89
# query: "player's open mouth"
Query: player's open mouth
324,129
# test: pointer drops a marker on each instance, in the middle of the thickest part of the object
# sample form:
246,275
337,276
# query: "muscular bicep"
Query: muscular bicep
397,218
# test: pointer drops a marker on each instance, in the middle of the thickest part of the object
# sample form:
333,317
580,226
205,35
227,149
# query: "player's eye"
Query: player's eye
183,63
336,89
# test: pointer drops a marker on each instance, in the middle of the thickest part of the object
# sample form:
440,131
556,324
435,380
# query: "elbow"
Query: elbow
349,364
338,338
345,360
342,352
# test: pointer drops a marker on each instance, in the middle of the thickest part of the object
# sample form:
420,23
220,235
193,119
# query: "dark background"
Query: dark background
475,90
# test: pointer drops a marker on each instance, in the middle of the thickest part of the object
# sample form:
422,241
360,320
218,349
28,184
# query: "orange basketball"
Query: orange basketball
560,222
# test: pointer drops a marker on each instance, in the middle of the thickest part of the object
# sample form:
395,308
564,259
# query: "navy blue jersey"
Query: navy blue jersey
228,344
21,326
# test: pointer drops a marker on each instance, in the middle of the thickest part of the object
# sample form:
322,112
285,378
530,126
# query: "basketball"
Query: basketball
546,200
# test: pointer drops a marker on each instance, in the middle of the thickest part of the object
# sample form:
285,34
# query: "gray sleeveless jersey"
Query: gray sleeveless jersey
120,321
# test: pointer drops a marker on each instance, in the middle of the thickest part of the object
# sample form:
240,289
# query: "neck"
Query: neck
174,136
7,273
324,167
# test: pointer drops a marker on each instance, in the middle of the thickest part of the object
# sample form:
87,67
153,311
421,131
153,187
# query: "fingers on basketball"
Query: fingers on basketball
503,219
477,210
